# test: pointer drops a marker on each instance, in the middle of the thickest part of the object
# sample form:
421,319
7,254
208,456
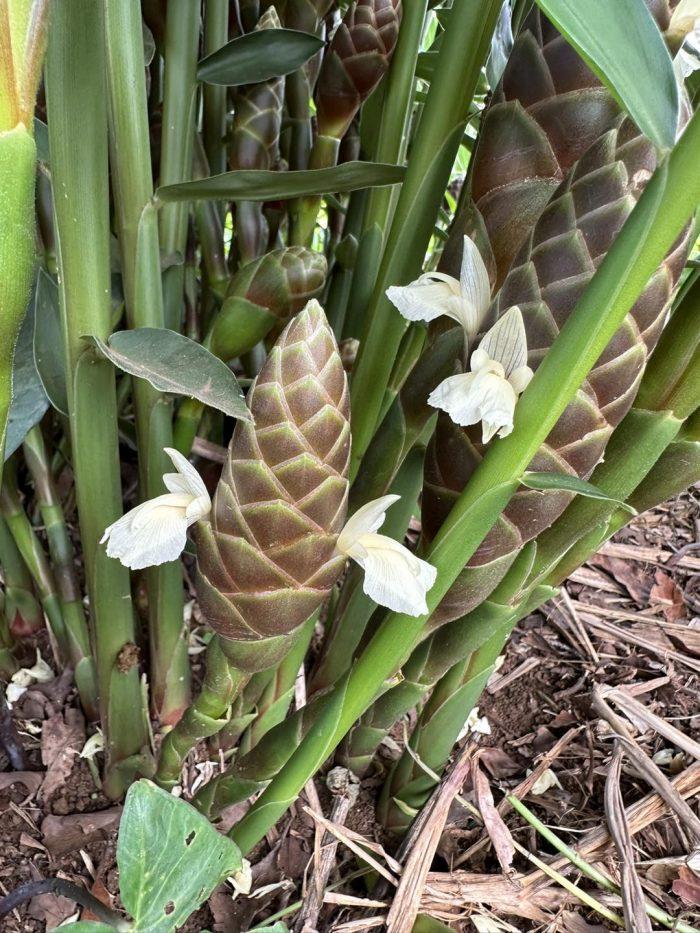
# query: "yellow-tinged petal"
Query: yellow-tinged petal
366,520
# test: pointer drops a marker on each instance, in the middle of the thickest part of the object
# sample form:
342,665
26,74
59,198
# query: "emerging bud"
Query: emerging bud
358,58
268,558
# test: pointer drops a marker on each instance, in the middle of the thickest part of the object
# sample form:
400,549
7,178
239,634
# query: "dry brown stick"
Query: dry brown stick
633,903
406,903
646,768
635,710
344,787
625,635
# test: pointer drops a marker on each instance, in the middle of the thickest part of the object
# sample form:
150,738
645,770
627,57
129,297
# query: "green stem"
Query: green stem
138,240
8,663
63,563
214,95
205,717
22,611
663,210
303,212
77,111
179,96
390,147
435,145
33,555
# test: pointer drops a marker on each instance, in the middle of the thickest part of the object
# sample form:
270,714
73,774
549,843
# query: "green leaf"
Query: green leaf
427,924
258,56
88,926
48,342
29,401
270,186
565,482
624,47
170,858
173,363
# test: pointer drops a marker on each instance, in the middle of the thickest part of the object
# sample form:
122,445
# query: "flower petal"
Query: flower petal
520,378
475,287
394,577
506,342
187,479
683,19
366,520
153,533
425,299
481,396
454,396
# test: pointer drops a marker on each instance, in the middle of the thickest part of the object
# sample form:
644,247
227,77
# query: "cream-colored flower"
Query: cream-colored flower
687,59
435,294
155,532
499,373
26,677
394,577
683,20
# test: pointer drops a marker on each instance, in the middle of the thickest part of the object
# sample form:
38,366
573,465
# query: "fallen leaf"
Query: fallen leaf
68,833
495,827
99,891
32,780
687,886
51,909
61,741
574,923
666,592
499,764
627,574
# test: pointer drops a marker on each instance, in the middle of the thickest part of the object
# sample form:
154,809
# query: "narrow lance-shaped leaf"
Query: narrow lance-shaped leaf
258,56
173,363
568,483
624,47
48,342
254,185
29,401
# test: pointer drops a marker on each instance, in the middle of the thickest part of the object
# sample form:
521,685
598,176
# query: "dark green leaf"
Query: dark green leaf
48,342
269,186
170,858
566,483
258,56
41,138
29,401
626,50
173,363
88,926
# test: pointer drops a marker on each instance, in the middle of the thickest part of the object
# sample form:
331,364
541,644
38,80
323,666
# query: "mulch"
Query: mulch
627,624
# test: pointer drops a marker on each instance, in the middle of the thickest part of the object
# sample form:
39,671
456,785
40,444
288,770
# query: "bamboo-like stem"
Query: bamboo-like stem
179,96
439,133
206,716
138,240
63,565
390,147
77,99
214,95
660,215
22,611
33,555
8,662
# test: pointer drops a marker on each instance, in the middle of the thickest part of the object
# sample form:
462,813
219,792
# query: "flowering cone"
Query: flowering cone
267,559
553,268
358,58
546,112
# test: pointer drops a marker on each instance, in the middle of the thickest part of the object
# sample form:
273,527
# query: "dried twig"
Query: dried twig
633,709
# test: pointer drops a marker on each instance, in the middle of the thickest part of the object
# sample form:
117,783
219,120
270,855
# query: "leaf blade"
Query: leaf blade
258,56
626,51
175,364
564,482
253,185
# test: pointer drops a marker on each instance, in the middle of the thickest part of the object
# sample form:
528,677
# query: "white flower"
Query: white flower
435,293
155,532
394,577
26,677
687,59
683,19
498,375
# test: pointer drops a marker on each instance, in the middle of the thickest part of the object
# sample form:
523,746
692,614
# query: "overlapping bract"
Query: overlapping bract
267,559
553,268
357,59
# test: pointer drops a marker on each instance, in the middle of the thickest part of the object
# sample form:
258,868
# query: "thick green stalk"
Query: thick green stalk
390,147
33,555
138,240
77,111
8,663
22,611
206,716
17,171
63,565
464,46
660,215
214,95
303,213
179,97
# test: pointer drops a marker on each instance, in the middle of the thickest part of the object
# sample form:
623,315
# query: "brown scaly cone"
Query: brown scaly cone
267,560
549,276
546,112
357,59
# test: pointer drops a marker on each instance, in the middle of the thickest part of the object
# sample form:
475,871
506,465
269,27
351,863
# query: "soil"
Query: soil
630,617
